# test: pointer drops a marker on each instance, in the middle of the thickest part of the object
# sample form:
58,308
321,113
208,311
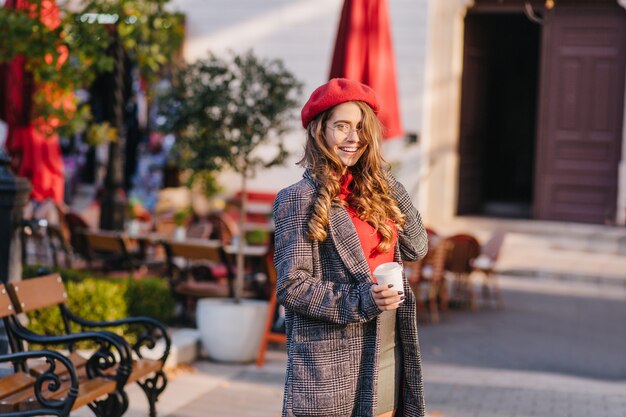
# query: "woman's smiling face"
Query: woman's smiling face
342,133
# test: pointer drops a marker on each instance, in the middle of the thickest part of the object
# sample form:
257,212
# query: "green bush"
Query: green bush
103,299
150,297
90,298
31,271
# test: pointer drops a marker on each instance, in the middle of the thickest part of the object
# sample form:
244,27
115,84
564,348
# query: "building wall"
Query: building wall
302,33
442,95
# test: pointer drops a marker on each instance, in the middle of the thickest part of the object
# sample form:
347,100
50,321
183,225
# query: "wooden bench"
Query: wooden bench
48,291
32,389
53,392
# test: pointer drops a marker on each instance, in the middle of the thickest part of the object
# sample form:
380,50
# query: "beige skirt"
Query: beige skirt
389,366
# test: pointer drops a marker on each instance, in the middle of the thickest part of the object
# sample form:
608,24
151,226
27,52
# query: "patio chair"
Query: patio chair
271,332
187,285
111,250
465,248
485,264
429,272
76,226
224,227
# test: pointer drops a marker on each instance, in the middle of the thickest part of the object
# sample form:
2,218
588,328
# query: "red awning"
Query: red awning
364,52
34,156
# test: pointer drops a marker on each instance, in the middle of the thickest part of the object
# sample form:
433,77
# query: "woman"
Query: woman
352,345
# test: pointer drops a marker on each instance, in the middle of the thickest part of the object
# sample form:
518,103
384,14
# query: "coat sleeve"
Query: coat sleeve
412,238
300,288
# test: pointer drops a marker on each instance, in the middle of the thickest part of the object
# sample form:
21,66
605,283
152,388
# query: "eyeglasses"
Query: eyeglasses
344,130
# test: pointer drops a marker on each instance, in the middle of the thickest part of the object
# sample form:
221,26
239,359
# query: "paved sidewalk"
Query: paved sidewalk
555,350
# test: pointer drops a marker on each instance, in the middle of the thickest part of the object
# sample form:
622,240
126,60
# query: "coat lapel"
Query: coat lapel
346,240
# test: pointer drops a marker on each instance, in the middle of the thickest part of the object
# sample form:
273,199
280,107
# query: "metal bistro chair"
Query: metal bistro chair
429,272
76,226
485,264
465,248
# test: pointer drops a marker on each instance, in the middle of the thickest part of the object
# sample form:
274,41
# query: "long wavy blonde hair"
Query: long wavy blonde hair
370,196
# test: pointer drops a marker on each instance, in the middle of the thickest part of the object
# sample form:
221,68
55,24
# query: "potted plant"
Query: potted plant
223,111
132,214
180,219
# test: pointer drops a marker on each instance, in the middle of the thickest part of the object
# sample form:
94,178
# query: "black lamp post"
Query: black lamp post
14,192
113,201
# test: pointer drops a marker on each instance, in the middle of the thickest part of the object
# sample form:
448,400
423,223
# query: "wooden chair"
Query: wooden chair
183,282
48,291
224,227
199,230
485,264
76,226
165,226
429,272
113,251
269,335
465,248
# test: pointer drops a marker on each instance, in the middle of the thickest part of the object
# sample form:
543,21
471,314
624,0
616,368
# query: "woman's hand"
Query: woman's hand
387,298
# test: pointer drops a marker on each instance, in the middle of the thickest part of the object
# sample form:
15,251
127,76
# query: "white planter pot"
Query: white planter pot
231,332
180,233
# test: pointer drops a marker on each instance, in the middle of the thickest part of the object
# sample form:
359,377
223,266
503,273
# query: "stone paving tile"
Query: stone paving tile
558,331
555,350
252,392
453,391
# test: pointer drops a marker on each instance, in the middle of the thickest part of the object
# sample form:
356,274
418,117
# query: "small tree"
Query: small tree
224,111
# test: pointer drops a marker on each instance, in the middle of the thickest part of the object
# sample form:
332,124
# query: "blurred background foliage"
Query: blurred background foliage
70,56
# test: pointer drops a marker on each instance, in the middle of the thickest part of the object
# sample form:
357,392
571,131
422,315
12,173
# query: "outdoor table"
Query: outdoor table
251,251
265,227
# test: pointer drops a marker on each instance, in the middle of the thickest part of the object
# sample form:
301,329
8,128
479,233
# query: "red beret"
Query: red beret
337,91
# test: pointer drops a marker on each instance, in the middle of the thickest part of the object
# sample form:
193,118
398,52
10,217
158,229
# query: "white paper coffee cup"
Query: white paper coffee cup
389,273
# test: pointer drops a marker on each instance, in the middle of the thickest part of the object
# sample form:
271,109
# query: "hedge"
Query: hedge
102,298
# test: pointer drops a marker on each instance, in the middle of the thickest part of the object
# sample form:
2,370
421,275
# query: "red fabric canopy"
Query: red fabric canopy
364,52
34,155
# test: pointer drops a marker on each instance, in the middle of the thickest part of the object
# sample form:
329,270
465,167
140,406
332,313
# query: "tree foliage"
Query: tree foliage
65,58
223,110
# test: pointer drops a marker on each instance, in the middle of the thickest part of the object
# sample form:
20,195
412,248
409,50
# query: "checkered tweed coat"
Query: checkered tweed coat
332,319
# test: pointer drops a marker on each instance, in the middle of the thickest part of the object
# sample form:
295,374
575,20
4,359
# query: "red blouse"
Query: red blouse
368,236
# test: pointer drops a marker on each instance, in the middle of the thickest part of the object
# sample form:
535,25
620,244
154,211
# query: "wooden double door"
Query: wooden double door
542,111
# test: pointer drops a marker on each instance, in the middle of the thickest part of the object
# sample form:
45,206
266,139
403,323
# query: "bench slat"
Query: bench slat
32,294
143,367
6,306
89,390
24,399
31,402
15,382
92,389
